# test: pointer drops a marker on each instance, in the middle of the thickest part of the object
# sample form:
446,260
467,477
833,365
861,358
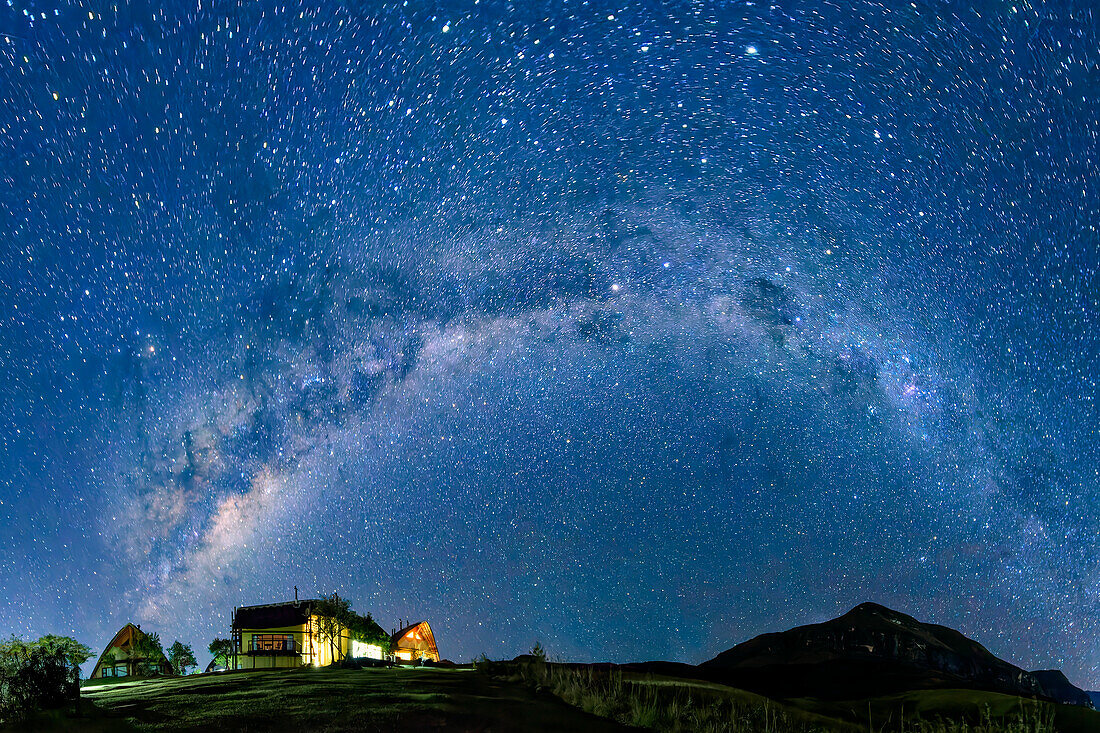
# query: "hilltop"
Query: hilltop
871,666
873,650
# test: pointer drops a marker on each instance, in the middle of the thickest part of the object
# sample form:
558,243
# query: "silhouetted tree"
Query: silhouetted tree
334,615
366,629
146,653
34,676
222,649
181,657
75,653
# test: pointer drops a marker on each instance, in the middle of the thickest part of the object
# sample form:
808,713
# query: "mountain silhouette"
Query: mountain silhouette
1058,688
869,651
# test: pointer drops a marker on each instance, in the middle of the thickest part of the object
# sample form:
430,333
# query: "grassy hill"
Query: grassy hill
971,708
328,700
667,702
530,696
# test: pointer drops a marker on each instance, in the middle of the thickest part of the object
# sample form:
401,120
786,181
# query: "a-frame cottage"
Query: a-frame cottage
119,659
415,642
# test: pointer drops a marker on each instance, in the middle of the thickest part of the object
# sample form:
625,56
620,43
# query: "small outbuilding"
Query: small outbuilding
124,658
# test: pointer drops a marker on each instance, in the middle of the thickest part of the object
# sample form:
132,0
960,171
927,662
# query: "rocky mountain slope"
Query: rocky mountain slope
1058,688
873,650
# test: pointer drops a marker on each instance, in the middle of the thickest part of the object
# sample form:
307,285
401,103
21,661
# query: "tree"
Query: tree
334,615
367,630
34,676
222,649
146,653
74,652
181,657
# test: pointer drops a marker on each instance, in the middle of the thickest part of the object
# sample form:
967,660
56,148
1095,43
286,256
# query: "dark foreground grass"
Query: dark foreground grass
509,696
326,701
662,703
963,710
657,702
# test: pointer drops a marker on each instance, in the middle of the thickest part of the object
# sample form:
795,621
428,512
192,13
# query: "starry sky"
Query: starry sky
636,328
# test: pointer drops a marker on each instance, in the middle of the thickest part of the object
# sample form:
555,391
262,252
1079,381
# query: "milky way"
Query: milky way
634,331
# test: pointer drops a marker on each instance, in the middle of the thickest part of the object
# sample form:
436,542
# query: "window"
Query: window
117,670
272,643
363,649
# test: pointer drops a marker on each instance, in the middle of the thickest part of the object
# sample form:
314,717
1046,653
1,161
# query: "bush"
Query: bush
34,677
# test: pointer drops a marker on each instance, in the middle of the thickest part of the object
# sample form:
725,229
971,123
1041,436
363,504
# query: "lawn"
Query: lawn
325,700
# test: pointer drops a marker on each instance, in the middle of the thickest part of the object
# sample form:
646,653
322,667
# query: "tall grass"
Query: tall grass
609,694
1028,720
663,706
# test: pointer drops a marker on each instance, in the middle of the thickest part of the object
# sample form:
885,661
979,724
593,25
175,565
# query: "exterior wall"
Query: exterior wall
271,661
325,648
314,650
115,663
363,650
288,661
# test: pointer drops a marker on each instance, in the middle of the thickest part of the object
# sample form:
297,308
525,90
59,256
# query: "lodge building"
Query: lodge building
284,635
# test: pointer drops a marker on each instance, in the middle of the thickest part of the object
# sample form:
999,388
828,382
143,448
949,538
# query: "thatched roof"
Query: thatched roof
124,640
273,615
416,636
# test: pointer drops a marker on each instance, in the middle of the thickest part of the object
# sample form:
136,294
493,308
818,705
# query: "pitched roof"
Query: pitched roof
424,634
401,632
273,615
123,640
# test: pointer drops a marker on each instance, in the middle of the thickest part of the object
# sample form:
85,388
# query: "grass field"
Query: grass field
324,700
977,710
506,696
659,702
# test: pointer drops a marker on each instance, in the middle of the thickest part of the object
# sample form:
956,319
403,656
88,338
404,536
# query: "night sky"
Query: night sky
638,329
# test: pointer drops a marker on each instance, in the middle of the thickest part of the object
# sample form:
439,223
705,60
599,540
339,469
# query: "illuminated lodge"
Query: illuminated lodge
282,635
121,658
286,635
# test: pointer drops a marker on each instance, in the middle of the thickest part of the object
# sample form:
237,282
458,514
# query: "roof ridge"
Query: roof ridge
282,603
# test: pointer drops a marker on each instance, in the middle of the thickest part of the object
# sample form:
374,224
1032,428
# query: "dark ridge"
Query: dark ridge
1058,688
871,650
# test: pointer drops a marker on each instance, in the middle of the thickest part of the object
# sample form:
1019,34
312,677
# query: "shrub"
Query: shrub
34,677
